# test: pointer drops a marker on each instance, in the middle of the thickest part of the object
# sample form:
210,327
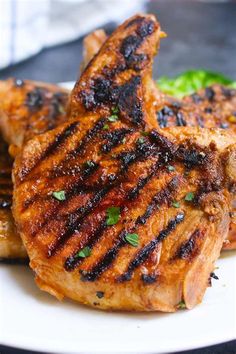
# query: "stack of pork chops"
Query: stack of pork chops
123,197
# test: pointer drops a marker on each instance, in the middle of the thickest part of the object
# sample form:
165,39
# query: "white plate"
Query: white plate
34,320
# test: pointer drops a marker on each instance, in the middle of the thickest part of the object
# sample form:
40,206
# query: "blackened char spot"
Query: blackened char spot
129,103
209,93
146,28
190,157
114,138
196,98
129,45
149,278
35,99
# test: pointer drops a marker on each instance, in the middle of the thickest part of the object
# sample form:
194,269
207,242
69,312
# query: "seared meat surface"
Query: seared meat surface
115,212
10,243
213,107
26,109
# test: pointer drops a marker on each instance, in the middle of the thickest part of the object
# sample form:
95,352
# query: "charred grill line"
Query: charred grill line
72,262
58,171
160,197
145,252
186,250
144,150
60,138
75,221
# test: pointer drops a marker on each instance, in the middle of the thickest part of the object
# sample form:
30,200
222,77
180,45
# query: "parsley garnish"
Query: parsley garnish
132,239
171,168
141,140
181,305
113,118
145,133
60,195
105,127
176,204
85,252
89,163
113,215
189,197
115,110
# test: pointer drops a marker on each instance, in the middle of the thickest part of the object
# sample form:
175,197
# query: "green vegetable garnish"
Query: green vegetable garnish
113,215
85,252
141,140
176,204
171,168
191,81
132,239
105,127
181,305
60,195
115,110
89,163
189,197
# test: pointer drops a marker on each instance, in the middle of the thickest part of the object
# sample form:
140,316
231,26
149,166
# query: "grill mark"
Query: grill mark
80,214
145,252
72,262
160,197
187,248
59,139
58,171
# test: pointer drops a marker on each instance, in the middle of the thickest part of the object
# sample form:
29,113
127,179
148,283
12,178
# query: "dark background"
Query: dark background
200,35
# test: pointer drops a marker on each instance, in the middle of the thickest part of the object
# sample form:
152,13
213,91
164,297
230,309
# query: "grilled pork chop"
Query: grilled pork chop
213,107
26,109
10,243
116,216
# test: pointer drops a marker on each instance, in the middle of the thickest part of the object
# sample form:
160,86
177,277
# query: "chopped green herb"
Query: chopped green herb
176,204
115,110
89,163
113,118
171,168
189,197
113,215
181,305
133,239
100,294
145,133
85,252
141,140
105,127
60,195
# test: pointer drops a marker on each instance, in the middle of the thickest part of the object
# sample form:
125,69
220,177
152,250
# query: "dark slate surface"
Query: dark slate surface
200,35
